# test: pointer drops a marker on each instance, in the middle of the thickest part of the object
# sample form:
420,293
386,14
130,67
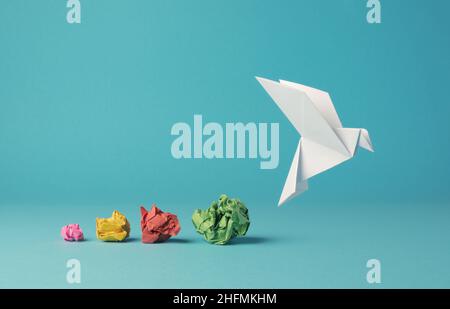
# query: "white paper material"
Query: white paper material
324,143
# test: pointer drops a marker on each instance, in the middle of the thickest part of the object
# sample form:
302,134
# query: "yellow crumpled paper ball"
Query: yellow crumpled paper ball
116,228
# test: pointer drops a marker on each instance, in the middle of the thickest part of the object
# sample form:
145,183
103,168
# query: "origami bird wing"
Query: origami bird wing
304,115
321,101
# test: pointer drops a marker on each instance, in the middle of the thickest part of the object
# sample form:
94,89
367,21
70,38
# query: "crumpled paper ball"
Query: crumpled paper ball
222,221
116,228
158,226
72,232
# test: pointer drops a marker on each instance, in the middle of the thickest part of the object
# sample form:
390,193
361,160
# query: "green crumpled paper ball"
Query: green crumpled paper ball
222,221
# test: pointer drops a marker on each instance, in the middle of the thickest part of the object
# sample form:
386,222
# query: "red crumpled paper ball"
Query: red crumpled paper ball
158,226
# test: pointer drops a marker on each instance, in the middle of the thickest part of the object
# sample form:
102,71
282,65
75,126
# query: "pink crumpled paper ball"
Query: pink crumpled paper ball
72,232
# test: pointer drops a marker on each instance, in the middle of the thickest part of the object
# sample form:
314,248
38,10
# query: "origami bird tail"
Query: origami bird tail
293,186
290,193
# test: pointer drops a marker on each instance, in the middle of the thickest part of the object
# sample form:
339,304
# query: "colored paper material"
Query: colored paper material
116,228
324,143
72,232
158,226
222,221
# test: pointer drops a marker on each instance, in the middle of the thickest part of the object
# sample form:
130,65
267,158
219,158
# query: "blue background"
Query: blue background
85,118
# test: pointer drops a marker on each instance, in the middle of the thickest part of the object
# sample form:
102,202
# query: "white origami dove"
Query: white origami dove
324,143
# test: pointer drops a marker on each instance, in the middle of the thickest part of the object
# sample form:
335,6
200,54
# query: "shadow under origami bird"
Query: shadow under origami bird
324,143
